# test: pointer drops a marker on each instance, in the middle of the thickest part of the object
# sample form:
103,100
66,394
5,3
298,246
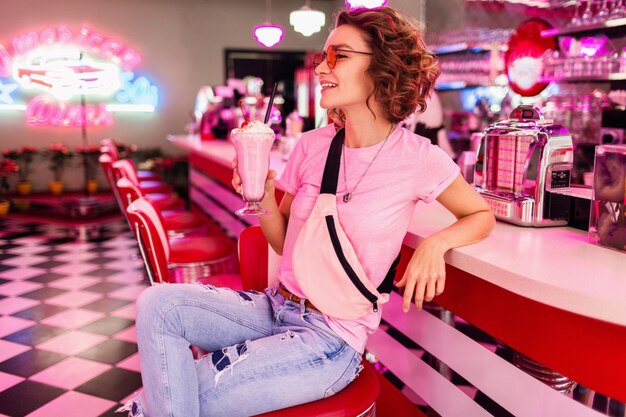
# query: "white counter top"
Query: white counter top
555,266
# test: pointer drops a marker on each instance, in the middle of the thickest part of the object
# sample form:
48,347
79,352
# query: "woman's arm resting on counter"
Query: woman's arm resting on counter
425,274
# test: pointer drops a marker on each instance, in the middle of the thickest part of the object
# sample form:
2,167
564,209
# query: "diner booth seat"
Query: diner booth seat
109,147
186,259
177,223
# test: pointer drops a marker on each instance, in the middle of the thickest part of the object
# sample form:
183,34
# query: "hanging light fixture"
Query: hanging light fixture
368,4
267,34
306,20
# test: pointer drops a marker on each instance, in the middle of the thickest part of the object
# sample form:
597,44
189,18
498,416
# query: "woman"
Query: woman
275,349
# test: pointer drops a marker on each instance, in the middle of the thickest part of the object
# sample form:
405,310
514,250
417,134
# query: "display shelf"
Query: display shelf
468,47
612,27
460,85
618,76
455,85
461,47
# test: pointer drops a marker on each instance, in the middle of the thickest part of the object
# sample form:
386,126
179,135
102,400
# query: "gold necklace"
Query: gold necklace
348,195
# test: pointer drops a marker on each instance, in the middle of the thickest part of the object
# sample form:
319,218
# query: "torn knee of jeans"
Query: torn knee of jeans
225,359
207,287
357,371
288,335
247,296
133,408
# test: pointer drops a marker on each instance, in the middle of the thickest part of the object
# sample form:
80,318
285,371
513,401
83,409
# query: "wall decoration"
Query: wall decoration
48,74
523,57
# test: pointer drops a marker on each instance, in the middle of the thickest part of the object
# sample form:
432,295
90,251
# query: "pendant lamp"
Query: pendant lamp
306,20
267,34
368,4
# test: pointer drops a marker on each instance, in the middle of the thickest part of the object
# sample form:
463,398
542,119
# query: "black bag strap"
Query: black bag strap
329,186
386,286
333,162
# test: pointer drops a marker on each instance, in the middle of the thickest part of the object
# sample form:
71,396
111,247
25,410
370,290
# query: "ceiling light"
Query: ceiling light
307,21
368,4
268,34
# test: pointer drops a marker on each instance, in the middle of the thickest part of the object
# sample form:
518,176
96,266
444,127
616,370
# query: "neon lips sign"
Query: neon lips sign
59,66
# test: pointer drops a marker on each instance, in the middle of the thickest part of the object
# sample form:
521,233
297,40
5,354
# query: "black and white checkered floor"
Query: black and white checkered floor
67,334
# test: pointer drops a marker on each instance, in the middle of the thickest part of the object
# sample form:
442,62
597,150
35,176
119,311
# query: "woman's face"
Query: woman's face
347,85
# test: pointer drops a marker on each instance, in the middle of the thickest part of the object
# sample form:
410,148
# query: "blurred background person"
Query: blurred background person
430,124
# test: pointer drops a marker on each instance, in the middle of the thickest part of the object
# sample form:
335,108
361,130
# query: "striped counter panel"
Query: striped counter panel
218,202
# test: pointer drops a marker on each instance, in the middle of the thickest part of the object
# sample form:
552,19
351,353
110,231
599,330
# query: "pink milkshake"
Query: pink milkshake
253,143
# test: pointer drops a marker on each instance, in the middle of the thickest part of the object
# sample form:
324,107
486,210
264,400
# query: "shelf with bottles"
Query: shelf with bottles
461,80
467,71
459,85
469,41
612,27
466,47
583,69
618,76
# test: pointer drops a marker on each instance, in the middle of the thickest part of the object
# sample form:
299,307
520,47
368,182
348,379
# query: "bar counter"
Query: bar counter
545,292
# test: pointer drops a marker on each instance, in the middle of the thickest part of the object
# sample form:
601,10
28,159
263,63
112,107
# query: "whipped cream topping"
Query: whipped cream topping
255,126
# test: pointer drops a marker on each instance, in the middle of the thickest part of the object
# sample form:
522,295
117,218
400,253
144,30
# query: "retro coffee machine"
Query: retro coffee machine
520,164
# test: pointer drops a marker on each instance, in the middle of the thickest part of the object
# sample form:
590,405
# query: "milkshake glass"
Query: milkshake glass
253,143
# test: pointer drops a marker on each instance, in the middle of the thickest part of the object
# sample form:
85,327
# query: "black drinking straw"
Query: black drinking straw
270,104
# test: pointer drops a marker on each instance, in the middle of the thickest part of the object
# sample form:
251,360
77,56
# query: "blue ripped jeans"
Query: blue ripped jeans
266,353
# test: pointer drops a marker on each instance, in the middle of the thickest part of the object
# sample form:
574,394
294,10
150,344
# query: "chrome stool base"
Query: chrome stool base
549,377
181,273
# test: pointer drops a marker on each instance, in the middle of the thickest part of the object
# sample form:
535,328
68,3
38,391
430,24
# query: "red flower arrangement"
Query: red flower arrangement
23,156
90,154
7,168
58,154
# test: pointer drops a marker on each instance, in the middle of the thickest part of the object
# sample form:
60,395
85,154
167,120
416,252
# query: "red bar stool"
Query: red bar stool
109,147
187,259
126,168
106,163
163,200
358,399
178,223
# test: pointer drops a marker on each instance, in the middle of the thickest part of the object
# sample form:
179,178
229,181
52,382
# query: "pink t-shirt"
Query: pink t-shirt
407,169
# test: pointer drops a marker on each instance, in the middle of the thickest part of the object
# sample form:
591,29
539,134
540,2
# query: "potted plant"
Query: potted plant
7,168
24,157
89,155
59,155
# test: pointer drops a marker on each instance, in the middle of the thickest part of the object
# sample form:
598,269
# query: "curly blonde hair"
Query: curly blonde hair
403,69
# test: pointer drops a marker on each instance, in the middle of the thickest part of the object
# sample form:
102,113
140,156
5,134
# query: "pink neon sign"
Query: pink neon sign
93,42
43,111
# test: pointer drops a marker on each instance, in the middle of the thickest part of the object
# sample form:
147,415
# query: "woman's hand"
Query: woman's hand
425,275
269,184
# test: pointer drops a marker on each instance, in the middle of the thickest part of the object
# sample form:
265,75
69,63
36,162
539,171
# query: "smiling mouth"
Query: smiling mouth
326,86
